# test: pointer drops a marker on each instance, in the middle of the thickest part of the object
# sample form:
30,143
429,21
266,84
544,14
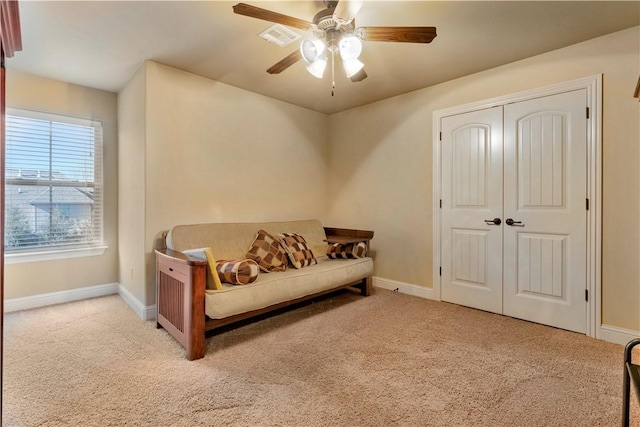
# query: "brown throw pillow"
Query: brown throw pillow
349,250
297,249
267,253
237,272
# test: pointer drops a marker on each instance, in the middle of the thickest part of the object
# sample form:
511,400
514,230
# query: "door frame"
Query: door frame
593,87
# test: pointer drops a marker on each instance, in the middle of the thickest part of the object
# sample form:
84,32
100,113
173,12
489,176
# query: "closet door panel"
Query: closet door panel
545,183
471,198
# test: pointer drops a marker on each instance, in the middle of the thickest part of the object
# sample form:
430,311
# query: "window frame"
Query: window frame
72,250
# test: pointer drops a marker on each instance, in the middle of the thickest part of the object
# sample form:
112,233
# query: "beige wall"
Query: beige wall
185,143
31,92
131,180
381,164
213,152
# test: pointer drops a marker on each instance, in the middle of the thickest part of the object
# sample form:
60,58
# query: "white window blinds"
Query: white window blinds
53,182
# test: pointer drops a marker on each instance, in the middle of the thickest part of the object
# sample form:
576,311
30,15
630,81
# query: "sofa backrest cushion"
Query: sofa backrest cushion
231,240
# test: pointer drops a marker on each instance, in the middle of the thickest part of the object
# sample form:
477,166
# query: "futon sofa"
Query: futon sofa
191,299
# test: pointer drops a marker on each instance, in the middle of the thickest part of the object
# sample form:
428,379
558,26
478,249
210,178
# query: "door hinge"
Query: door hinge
440,203
440,136
587,204
588,111
586,295
441,271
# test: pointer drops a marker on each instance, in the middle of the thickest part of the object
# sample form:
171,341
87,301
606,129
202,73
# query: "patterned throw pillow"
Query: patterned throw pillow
297,249
237,272
349,250
267,253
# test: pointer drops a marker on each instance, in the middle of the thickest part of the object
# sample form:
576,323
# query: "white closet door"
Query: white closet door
545,184
471,248
525,165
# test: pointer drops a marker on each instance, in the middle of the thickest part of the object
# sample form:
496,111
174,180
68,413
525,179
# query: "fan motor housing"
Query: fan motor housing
325,21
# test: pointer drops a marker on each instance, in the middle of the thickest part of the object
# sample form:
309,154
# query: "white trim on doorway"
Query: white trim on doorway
593,86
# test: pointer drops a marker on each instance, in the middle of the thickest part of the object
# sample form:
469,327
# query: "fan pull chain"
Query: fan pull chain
333,73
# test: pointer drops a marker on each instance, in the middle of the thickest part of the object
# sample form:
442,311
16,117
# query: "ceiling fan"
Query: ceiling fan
334,32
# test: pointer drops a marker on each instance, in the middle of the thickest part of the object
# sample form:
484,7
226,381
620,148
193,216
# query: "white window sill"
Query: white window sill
17,258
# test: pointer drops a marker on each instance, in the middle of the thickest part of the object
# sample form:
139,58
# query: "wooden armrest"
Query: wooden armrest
347,235
180,289
180,257
344,240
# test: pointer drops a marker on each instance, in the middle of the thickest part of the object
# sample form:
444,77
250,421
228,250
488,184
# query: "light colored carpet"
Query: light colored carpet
389,359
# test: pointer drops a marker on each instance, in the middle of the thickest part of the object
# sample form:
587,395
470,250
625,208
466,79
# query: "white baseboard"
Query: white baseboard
42,300
616,335
145,312
405,288
607,333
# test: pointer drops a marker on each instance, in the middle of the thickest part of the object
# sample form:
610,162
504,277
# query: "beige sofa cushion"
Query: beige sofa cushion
274,288
231,240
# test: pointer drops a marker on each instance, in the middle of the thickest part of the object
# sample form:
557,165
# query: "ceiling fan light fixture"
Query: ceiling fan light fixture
332,29
352,66
350,47
317,67
311,49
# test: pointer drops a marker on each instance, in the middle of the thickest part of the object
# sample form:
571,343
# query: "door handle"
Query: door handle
494,221
513,223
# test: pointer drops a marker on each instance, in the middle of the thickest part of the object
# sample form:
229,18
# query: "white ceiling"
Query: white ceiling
102,44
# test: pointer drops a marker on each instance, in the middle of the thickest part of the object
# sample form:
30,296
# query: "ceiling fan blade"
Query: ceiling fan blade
268,15
346,10
285,63
359,76
397,34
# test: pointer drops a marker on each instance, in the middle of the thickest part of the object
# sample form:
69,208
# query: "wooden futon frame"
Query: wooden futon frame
180,293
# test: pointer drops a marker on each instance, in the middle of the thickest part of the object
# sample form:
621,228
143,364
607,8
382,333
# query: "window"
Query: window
53,183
